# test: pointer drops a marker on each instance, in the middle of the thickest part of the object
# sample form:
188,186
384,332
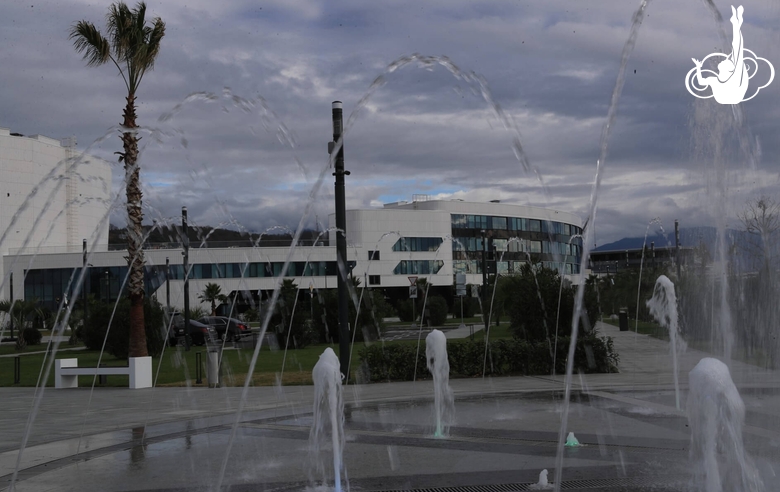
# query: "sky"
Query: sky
236,114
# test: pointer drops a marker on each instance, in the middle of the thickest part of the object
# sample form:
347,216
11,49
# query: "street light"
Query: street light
484,279
341,239
168,284
85,277
185,239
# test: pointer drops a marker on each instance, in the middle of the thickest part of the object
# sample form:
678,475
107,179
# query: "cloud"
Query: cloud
252,154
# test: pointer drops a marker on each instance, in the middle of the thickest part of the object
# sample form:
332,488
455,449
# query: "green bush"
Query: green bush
467,358
470,306
394,362
405,310
530,298
118,342
436,308
32,336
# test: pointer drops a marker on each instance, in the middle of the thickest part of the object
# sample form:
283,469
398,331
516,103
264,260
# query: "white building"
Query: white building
51,198
387,247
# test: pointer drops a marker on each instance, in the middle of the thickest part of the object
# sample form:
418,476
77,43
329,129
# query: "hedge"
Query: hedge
395,362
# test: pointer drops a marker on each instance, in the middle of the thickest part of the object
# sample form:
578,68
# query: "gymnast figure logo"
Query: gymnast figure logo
730,84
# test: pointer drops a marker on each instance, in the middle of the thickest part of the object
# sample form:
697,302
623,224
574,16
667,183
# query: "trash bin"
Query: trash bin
623,320
213,367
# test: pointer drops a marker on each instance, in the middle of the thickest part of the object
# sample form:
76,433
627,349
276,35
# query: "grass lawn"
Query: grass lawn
653,329
179,366
10,348
496,332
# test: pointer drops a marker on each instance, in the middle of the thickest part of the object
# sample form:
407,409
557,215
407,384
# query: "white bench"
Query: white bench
67,372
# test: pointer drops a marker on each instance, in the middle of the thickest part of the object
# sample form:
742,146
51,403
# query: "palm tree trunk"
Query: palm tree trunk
135,216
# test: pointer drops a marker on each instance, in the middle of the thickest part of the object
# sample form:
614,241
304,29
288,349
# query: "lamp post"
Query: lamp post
168,284
341,238
85,274
185,240
108,288
677,247
484,279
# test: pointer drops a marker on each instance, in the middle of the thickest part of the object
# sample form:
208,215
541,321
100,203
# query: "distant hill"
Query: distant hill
744,248
689,237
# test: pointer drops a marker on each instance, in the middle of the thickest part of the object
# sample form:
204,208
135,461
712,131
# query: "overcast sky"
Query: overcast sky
550,65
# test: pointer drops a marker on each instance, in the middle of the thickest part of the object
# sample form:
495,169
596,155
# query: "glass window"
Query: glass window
422,267
459,221
498,223
415,244
567,229
535,246
535,225
518,224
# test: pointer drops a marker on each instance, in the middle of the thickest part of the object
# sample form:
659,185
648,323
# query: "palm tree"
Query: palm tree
212,293
132,47
20,312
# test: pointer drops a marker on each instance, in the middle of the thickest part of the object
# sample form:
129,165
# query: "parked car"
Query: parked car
234,328
200,333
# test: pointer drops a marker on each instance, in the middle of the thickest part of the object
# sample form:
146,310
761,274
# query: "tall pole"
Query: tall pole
168,284
652,252
86,277
185,241
484,280
677,247
341,238
10,312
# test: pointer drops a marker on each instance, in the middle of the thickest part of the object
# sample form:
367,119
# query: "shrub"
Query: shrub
32,336
436,308
467,358
470,306
530,298
118,342
394,362
405,310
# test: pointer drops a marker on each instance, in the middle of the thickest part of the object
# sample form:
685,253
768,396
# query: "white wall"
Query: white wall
44,218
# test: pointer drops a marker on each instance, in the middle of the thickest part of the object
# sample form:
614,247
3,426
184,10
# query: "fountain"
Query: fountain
439,366
542,484
716,415
253,437
663,307
328,418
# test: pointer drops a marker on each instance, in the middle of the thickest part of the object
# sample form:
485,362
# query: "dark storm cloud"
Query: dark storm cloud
550,65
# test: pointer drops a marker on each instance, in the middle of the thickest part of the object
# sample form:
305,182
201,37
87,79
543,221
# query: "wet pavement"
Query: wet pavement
506,430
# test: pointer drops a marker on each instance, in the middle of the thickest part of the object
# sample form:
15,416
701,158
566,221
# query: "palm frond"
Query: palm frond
130,43
88,40
119,24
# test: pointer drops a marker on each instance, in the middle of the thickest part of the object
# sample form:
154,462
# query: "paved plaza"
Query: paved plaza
506,430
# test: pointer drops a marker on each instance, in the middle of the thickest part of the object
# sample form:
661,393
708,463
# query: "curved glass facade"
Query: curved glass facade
508,242
417,244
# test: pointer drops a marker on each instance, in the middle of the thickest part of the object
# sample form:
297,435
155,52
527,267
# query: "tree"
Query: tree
212,293
21,311
132,46
761,218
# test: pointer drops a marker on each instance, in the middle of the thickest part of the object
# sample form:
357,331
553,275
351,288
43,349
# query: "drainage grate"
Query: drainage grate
598,483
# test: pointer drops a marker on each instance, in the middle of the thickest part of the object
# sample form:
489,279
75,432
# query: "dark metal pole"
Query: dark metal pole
86,278
341,238
652,251
484,280
10,312
677,247
185,241
168,284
